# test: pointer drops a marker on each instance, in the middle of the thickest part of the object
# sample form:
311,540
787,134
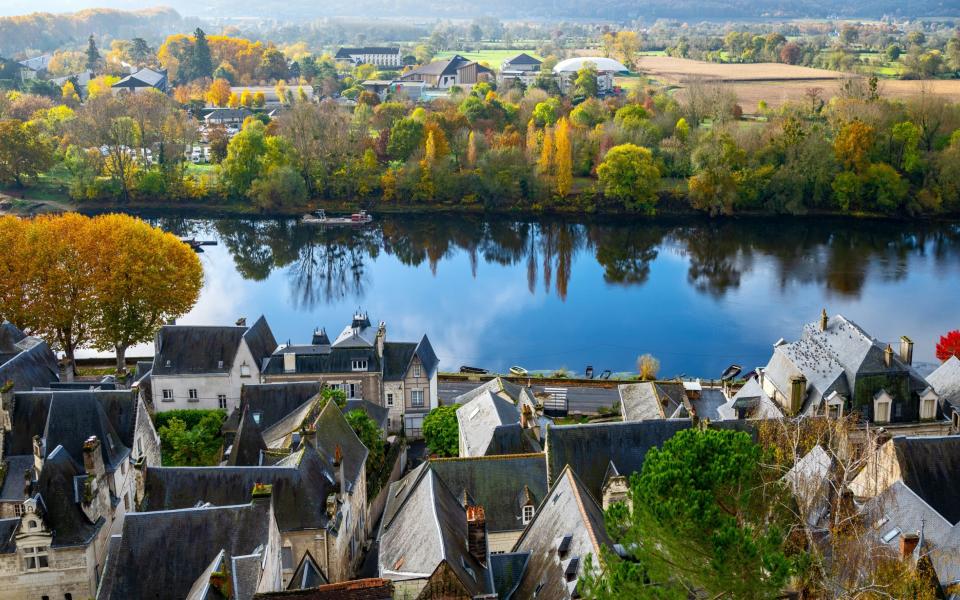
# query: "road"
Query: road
579,399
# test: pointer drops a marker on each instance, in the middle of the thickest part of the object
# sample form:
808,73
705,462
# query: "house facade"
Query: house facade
385,57
401,376
205,366
143,80
444,74
522,67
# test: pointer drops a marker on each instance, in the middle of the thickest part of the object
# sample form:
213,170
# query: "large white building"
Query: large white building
566,71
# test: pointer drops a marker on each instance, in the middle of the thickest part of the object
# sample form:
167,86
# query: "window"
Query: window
257,416
286,557
126,503
890,535
244,370
219,364
35,558
192,394
881,407
527,514
416,371
416,398
389,399
389,423
139,448
928,408
18,510
168,395
68,596
222,400
358,364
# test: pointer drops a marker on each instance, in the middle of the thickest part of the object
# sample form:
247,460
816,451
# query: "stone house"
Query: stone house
315,465
198,552
204,367
945,380
401,376
68,481
499,417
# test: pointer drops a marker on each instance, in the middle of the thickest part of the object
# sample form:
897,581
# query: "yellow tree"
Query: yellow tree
852,145
259,99
246,99
15,293
69,94
302,96
101,86
471,150
144,278
563,159
218,94
234,101
430,149
531,139
281,91
545,164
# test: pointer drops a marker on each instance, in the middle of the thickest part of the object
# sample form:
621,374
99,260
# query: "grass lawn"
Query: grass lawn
204,169
52,185
492,57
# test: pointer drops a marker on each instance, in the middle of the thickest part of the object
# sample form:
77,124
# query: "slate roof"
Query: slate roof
34,366
271,401
568,510
356,589
334,431
498,483
221,114
8,529
589,449
343,53
479,418
337,360
522,59
512,439
299,491
397,357
62,512
446,67
307,574
10,336
248,447
424,525
145,77
651,400
12,489
378,413
260,340
929,466
162,554
946,382
196,349
67,418
507,569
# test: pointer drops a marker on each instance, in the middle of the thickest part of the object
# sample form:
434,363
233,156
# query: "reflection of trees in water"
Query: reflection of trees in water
840,256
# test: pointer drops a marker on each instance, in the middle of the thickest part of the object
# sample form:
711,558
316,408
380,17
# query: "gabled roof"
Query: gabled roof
355,589
347,52
651,400
8,531
299,491
501,484
248,447
479,418
946,381
61,504
569,514
309,361
522,59
507,569
196,349
333,432
929,466
260,340
425,526
307,574
33,366
145,77
166,552
270,402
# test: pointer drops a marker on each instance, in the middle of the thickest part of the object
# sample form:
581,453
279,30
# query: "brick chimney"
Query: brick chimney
906,350
888,356
93,457
908,543
477,533
38,456
798,389
823,320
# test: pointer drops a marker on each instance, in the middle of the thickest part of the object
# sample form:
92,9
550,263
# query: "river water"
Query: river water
546,294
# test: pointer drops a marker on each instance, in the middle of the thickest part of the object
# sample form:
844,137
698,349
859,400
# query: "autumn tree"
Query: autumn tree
852,145
69,93
24,151
545,162
219,92
563,158
629,174
145,277
949,345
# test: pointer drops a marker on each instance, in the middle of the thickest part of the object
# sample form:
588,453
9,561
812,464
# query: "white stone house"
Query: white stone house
205,366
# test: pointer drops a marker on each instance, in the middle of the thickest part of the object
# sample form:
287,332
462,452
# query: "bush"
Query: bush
190,437
441,431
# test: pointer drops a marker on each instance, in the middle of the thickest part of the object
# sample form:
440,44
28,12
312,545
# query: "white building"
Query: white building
566,71
388,57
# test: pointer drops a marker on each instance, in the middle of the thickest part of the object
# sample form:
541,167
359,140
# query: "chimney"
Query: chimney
7,400
261,493
242,322
381,338
37,456
906,350
798,389
341,473
477,533
823,320
908,543
289,362
92,457
888,356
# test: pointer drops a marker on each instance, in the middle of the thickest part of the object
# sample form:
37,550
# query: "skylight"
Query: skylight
891,535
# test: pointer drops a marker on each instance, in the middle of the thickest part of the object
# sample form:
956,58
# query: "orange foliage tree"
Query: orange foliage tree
219,92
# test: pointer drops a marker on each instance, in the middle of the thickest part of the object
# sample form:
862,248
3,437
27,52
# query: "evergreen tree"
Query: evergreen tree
202,62
93,55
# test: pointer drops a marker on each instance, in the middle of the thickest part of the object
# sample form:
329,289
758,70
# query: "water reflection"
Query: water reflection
326,265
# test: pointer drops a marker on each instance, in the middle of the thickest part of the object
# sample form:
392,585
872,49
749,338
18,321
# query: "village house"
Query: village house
649,400
383,57
402,376
68,480
225,116
142,80
33,67
499,417
197,366
201,552
26,362
268,403
315,464
607,68
455,71
945,381
835,368
522,67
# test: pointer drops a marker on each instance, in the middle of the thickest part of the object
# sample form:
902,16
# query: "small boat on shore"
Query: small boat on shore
518,371
196,244
730,372
473,370
319,217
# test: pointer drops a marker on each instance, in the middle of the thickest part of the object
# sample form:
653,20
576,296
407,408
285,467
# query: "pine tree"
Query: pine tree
93,55
546,153
202,63
563,161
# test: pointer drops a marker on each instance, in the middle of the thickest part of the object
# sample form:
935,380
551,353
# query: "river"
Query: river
547,294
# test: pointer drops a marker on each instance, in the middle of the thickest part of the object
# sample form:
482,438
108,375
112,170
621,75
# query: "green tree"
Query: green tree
589,114
273,65
628,173
24,151
441,431
243,162
703,515
586,84
93,55
201,61
190,437
547,112
406,137
372,437
280,186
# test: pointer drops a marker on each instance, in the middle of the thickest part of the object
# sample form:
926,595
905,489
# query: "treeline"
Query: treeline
45,32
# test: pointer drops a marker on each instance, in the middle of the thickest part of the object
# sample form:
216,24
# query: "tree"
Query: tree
372,437
586,84
546,113
949,345
259,100
629,174
853,144
563,158
406,136
69,93
471,150
190,438
699,518
545,163
281,185
647,367
219,92
441,431
141,53
243,162
273,65
201,62
145,277
281,91
101,86
93,55
24,151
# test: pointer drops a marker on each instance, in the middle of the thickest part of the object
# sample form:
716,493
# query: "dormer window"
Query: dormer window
358,364
928,405
881,407
564,546
528,511
573,568
244,370
36,558
416,371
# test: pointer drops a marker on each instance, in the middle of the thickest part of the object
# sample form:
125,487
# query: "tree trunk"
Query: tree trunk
121,359
70,366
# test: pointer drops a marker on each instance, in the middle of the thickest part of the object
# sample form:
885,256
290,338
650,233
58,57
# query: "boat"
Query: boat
589,372
319,217
473,370
518,371
196,244
730,372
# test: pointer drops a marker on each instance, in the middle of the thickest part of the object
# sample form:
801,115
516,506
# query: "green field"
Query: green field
492,58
